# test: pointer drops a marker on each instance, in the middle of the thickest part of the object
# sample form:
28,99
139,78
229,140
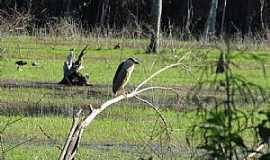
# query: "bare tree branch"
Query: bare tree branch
156,109
19,144
49,138
253,154
71,132
160,71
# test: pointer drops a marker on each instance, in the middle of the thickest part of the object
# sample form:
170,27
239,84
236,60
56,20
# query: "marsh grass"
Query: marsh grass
101,62
123,131
124,128
126,123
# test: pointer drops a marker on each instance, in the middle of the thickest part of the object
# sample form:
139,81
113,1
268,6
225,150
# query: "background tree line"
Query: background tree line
241,16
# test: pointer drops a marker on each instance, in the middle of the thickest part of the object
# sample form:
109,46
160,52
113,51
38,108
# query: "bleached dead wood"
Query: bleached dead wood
252,155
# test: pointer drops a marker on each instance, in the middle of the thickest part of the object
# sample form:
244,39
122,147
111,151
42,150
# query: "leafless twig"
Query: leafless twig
49,137
253,154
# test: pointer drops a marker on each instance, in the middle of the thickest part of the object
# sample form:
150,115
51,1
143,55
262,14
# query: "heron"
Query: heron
35,64
20,63
122,75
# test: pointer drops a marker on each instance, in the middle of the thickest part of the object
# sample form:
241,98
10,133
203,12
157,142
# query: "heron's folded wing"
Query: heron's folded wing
119,77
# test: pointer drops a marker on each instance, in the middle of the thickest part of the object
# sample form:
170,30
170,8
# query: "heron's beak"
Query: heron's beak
136,62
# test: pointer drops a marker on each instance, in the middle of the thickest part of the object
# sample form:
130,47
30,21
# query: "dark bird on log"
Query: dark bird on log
20,63
122,75
117,46
220,64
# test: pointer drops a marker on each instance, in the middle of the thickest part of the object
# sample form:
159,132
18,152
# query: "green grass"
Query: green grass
117,125
50,153
124,123
101,64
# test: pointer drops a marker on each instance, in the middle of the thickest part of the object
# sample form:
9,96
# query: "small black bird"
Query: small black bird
35,64
20,63
220,64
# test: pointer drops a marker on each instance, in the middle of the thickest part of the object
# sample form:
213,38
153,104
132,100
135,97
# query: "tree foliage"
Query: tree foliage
232,114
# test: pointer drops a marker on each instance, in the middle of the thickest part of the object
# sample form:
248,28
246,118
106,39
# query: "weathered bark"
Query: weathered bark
71,145
211,21
155,26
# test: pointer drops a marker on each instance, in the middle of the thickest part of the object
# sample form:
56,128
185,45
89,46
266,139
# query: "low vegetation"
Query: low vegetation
128,130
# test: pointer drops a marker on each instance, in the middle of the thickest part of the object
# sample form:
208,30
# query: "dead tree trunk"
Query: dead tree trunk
72,74
67,3
265,31
261,14
223,17
187,32
210,29
155,27
104,10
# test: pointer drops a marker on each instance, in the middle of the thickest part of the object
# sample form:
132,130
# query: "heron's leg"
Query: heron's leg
124,93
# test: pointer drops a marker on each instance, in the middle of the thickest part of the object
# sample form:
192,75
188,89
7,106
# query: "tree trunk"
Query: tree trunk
264,28
67,3
187,32
155,26
104,10
223,17
261,14
211,21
